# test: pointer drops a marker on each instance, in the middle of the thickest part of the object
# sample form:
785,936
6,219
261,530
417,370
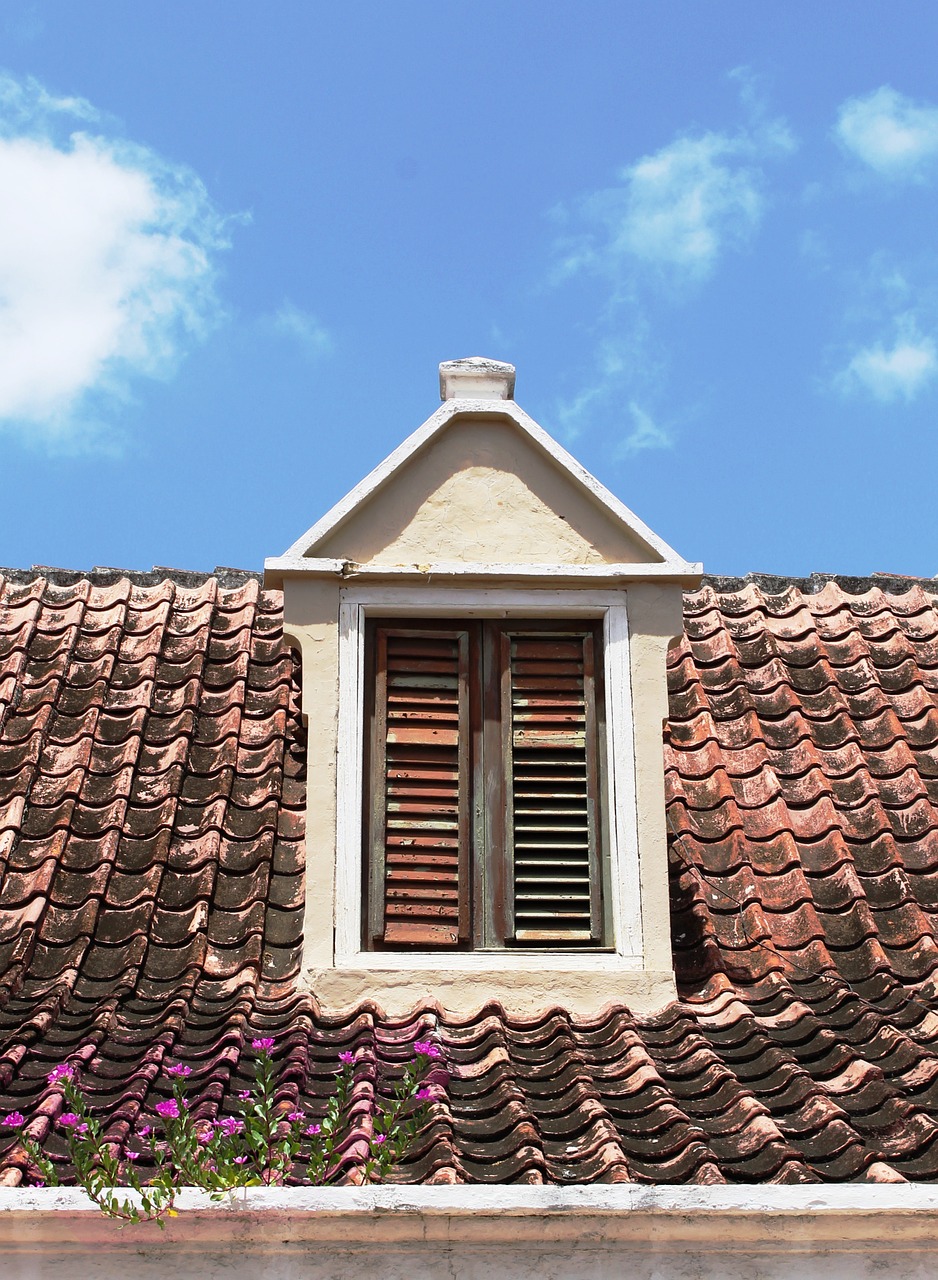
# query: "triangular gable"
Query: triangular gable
480,481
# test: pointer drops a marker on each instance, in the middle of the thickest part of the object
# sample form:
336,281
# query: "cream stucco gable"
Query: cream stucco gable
480,514
481,491
480,483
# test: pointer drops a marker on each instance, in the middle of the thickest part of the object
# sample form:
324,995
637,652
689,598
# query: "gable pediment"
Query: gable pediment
480,492
479,485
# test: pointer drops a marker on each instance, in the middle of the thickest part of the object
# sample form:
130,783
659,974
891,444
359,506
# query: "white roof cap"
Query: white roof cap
476,378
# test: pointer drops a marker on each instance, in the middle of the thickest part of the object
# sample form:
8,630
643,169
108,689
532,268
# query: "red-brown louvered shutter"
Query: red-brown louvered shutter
550,741
420,788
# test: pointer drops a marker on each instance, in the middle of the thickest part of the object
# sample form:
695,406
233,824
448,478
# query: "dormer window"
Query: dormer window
483,631
484,826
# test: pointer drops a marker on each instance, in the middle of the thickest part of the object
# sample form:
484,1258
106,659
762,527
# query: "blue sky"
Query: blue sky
236,240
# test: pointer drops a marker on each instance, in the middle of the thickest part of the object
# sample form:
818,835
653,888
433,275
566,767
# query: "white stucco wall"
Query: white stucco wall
854,1232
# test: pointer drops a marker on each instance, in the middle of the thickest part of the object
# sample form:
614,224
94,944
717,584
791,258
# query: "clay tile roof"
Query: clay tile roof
151,891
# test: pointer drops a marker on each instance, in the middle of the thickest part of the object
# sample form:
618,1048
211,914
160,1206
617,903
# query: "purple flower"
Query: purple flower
240,1160
180,1069
427,1049
264,1045
296,1116
14,1120
39,1182
347,1057
245,1095
378,1139
203,1137
144,1131
229,1126
62,1071
132,1155
69,1120
424,1093
169,1109
312,1129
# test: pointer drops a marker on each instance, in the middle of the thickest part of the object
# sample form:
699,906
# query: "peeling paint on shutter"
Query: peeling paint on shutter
550,740
420,792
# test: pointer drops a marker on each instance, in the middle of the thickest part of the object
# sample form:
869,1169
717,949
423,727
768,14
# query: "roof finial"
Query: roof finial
476,378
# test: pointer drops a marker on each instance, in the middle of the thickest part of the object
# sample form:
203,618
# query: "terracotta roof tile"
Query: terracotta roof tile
151,892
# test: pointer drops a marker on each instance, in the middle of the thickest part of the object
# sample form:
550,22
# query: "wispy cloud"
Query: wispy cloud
313,339
890,133
650,241
900,371
645,433
107,264
679,209
606,394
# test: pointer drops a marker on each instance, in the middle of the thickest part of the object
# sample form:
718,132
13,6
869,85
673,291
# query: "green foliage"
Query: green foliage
265,1144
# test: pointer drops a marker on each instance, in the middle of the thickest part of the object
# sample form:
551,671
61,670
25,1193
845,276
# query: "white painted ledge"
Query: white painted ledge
719,1216
626,1232
276,568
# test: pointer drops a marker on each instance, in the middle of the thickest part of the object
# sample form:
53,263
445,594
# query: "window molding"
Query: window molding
624,888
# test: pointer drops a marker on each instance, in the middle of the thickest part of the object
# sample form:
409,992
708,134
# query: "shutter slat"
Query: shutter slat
551,743
420,823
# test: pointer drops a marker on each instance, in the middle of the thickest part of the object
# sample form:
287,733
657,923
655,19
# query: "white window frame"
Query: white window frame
357,603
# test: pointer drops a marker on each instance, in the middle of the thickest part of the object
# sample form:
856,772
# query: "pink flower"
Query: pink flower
295,1117
264,1045
347,1058
229,1126
427,1049
62,1071
169,1109
312,1129
180,1069
424,1093
14,1120
40,1182
144,1131
69,1120
245,1095
240,1160
379,1138
133,1155
203,1137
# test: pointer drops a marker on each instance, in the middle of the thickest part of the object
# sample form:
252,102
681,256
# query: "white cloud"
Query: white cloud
889,132
898,372
615,372
680,208
645,434
303,328
685,202
658,233
107,264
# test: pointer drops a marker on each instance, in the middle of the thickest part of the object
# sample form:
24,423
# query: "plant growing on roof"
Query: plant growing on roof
265,1144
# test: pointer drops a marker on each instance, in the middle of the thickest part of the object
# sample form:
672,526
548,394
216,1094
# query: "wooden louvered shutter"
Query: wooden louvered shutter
550,744
420,818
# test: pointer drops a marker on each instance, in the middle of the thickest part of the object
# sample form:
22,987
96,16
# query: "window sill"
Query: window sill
524,985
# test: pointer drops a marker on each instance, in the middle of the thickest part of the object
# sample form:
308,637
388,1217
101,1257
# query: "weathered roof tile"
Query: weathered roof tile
152,895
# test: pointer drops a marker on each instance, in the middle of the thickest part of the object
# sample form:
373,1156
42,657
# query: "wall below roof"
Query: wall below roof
525,985
851,1232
